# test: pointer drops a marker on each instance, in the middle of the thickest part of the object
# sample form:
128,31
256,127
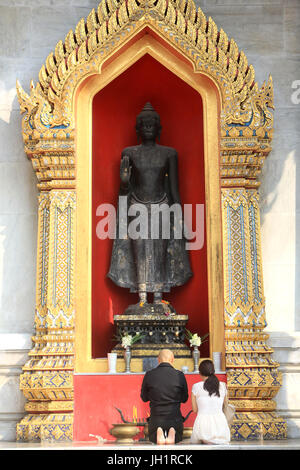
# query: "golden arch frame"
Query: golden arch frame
146,45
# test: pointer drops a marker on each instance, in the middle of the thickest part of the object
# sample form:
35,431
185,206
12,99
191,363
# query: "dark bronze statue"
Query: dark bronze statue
149,181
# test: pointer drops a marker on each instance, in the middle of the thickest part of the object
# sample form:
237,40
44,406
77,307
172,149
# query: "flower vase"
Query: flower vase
127,357
112,362
196,357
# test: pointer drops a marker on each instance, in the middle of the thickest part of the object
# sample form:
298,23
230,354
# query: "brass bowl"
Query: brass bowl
187,432
124,432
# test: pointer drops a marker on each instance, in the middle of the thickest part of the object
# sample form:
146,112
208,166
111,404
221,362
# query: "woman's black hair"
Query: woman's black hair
211,384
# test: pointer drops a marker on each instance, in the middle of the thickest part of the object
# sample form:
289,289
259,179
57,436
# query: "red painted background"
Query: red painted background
114,113
96,396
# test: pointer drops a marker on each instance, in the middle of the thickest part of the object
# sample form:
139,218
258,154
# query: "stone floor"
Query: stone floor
288,444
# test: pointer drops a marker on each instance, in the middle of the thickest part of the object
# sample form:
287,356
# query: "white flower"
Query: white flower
126,341
195,340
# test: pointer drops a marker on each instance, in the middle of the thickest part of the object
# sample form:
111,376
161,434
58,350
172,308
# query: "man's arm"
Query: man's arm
185,392
144,389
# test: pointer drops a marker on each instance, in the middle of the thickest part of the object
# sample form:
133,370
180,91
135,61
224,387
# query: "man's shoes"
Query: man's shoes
160,438
171,437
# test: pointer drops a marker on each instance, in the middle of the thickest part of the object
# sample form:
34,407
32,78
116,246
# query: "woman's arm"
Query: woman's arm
225,402
194,403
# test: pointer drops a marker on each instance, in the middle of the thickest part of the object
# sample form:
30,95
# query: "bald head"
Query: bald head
166,355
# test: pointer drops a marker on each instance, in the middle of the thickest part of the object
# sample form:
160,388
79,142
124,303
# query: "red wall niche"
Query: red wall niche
114,114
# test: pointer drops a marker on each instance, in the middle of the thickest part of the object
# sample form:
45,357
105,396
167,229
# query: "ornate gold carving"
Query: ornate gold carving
46,427
262,425
244,297
49,407
198,38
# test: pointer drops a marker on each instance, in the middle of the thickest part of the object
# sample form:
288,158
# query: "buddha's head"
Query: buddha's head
148,125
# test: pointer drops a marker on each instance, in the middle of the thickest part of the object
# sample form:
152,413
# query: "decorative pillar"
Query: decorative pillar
47,379
253,378
252,375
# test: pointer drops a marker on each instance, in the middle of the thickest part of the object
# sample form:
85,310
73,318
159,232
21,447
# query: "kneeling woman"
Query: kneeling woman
208,396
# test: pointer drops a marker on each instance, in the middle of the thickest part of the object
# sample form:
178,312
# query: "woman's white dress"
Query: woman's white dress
210,425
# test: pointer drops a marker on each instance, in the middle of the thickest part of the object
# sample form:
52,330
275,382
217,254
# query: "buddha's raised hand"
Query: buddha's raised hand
125,170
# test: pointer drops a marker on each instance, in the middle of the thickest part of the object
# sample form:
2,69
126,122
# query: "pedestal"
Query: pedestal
160,331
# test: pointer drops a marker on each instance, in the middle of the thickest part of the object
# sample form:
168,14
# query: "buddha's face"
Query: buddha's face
148,129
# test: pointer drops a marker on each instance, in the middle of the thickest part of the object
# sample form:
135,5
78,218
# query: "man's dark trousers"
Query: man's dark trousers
165,388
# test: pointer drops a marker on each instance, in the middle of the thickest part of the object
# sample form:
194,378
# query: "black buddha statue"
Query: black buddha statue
153,262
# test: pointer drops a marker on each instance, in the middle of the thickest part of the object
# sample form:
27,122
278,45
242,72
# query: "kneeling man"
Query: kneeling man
165,388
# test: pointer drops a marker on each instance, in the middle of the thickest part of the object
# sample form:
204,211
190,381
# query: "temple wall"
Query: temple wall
269,33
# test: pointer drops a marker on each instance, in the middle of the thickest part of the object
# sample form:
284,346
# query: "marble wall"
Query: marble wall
269,33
